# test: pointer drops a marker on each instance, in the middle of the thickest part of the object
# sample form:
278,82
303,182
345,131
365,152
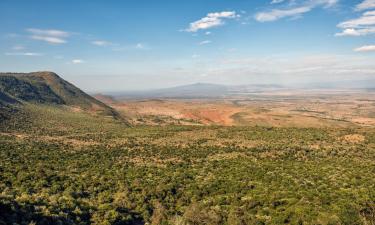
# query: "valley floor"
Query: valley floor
292,108
60,166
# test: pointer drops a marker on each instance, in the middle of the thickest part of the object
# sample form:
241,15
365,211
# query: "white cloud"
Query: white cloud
307,6
327,3
53,33
369,13
50,40
366,48
367,19
364,25
366,4
276,14
356,32
211,20
208,33
101,43
348,32
277,1
49,36
205,42
77,61
23,54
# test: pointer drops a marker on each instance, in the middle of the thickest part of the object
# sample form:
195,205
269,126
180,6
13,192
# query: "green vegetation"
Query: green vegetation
64,167
20,89
46,88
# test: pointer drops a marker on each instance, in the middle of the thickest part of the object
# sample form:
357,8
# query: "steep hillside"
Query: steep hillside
46,88
6,99
5,105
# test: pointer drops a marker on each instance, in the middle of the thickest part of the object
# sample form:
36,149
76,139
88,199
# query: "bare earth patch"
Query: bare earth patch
353,138
295,108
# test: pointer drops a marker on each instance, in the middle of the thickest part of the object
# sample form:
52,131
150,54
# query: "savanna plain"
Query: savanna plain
282,157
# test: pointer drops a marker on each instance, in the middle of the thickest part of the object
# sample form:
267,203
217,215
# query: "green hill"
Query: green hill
18,89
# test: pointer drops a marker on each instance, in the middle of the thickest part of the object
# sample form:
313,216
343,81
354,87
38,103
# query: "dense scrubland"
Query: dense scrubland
59,166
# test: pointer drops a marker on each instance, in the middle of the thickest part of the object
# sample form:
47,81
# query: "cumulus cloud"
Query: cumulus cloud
77,61
211,20
101,43
307,6
361,26
366,4
366,48
49,36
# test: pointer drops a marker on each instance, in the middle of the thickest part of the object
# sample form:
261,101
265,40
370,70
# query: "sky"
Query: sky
147,44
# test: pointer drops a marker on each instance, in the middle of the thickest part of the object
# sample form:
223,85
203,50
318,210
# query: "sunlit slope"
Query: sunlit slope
17,89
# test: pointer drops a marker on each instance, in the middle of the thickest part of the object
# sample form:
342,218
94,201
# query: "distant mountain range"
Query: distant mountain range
208,90
197,90
17,89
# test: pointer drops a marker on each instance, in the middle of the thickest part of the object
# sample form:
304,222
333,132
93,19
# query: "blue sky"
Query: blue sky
143,44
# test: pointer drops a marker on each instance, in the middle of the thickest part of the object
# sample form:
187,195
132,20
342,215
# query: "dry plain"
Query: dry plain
282,108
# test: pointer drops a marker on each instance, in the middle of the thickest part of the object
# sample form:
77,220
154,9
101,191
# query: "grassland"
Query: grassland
60,166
